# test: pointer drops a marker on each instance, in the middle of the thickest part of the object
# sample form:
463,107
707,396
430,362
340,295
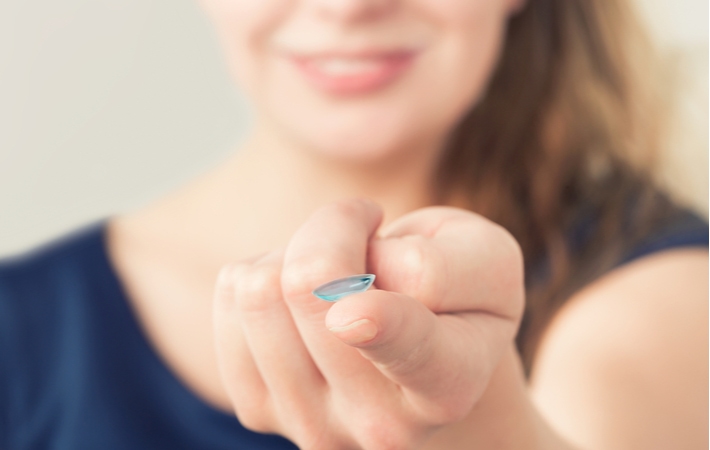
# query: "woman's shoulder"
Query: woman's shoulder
655,263
661,270
35,286
54,268
41,293
682,227
664,251
40,290
634,342
76,369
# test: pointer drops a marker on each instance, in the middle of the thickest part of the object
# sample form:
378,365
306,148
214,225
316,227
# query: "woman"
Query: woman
481,158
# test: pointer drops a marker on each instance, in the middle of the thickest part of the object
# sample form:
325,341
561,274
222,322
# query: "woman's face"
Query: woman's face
361,79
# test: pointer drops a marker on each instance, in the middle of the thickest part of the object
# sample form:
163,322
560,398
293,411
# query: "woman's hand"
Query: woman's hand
380,369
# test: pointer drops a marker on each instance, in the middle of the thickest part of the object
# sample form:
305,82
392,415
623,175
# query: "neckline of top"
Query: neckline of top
121,295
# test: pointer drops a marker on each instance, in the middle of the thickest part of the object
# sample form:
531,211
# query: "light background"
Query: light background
108,104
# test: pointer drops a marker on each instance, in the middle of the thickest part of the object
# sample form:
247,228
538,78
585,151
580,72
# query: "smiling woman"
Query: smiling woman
361,92
487,161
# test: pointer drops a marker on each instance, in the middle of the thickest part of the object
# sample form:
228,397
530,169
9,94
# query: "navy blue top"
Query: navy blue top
77,372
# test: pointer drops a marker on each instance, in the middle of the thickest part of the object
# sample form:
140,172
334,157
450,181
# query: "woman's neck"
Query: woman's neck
257,199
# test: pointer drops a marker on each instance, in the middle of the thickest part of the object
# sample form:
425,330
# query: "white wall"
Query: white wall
106,104
680,29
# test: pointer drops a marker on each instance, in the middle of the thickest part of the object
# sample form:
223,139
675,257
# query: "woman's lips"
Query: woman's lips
353,74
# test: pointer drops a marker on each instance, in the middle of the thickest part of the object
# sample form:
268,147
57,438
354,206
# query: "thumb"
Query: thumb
441,362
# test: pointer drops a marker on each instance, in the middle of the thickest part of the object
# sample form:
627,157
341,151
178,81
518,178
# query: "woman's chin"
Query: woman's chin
363,142
364,151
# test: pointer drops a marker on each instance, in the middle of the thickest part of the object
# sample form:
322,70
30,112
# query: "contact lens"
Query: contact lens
337,289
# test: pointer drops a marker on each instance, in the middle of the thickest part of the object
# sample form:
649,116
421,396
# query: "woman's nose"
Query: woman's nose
352,10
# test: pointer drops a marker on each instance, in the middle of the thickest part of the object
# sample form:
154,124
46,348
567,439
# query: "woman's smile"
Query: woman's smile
353,72
353,80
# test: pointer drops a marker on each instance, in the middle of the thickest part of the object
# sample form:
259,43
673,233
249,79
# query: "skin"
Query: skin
430,366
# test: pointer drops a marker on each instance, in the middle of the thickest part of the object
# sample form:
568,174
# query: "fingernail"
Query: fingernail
337,289
358,332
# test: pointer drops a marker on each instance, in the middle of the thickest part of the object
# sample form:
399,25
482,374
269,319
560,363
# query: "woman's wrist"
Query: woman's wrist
505,418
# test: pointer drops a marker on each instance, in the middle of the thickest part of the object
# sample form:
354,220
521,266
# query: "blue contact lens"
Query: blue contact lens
337,289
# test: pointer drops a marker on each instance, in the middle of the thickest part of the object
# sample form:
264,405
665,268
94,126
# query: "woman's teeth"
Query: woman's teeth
347,66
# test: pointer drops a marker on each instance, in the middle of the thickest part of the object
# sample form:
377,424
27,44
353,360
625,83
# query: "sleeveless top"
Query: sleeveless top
77,371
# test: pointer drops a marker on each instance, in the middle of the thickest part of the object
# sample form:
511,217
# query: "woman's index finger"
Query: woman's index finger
331,244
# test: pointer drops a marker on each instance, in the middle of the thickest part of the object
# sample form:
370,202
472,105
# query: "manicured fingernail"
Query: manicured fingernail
337,289
358,332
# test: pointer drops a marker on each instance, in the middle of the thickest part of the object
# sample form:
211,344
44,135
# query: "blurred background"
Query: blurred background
107,104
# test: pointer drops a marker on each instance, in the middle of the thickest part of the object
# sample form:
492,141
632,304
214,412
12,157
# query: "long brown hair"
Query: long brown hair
560,151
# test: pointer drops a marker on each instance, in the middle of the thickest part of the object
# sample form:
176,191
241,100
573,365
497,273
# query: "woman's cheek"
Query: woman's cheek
458,13
244,28
473,32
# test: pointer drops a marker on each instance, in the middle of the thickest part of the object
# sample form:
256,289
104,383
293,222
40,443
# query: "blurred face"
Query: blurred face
361,79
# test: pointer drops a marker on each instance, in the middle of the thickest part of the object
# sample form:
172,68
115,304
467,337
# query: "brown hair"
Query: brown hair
560,151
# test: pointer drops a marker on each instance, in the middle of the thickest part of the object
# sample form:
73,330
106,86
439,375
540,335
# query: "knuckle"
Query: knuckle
311,435
259,279
417,356
255,419
297,421
451,410
304,275
451,405
385,433
225,274
257,287
346,208
414,255
418,265
254,413
412,263
224,289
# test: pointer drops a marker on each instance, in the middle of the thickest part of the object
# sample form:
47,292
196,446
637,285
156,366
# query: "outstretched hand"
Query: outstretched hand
379,369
